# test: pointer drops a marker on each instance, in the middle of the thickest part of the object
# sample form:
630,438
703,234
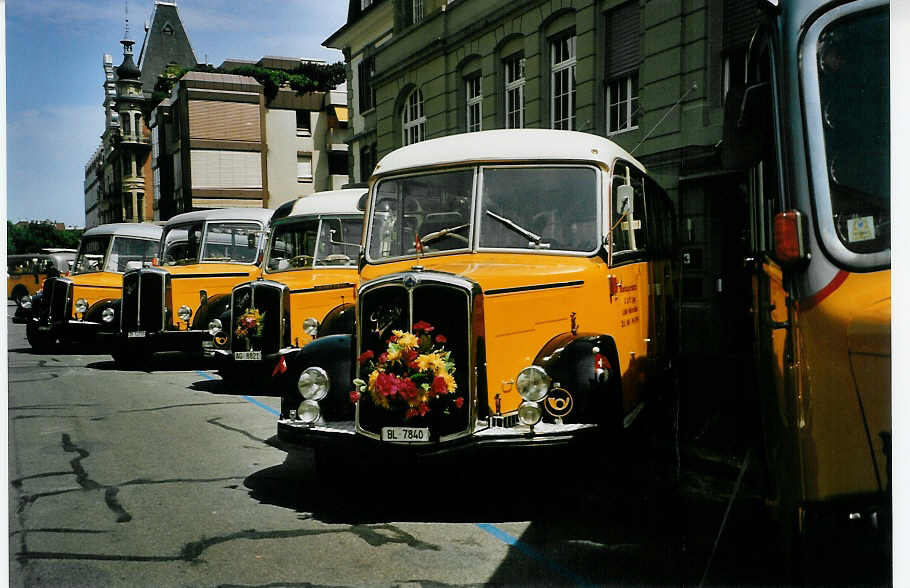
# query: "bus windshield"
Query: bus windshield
229,242
91,254
324,242
522,207
853,77
129,253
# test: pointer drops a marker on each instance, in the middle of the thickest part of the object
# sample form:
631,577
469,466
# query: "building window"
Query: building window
514,68
416,11
128,206
474,103
562,83
367,161
366,92
140,206
125,123
338,163
304,168
413,121
138,124
623,56
303,123
622,104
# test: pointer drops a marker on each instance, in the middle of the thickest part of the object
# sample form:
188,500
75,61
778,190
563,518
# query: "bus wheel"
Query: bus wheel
18,292
40,342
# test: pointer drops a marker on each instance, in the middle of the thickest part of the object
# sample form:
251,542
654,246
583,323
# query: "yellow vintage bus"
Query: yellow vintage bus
516,291
306,290
76,307
203,255
812,130
25,272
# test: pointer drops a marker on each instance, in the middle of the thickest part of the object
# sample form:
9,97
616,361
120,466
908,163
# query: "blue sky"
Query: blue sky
54,51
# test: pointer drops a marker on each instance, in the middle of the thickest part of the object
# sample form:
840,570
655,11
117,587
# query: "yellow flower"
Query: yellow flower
394,354
405,340
450,381
372,383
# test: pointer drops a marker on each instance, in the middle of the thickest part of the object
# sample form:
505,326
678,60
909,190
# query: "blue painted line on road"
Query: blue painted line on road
249,399
491,529
532,553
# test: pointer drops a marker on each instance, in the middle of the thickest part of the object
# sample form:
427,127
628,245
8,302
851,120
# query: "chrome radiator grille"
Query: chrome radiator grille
271,300
144,306
397,304
58,294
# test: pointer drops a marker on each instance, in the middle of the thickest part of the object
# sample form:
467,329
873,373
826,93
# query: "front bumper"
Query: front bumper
72,329
342,436
184,341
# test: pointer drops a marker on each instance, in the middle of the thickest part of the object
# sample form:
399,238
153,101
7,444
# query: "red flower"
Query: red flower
459,402
423,326
355,396
410,358
411,412
439,386
440,339
365,356
387,384
423,409
383,357
407,389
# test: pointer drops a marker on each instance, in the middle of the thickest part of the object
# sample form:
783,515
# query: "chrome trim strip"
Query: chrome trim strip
534,287
324,287
218,275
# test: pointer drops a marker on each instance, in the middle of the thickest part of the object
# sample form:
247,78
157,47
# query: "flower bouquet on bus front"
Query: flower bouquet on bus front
248,326
413,377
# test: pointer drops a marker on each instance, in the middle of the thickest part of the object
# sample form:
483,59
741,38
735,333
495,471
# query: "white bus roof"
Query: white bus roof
139,230
330,202
261,215
505,145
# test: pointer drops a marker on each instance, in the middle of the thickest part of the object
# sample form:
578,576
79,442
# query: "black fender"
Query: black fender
28,313
338,321
214,307
93,314
335,355
581,390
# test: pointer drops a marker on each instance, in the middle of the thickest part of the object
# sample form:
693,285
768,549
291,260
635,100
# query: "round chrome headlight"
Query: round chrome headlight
308,411
81,305
311,326
107,315
214,326
529,413
25,302
533,383
313,383
185,312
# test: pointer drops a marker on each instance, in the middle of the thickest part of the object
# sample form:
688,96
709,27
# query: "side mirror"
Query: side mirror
624,199
362,203
747,125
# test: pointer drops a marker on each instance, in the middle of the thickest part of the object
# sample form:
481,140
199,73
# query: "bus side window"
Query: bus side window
628,226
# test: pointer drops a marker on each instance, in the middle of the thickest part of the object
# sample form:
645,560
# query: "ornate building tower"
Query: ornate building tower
133,138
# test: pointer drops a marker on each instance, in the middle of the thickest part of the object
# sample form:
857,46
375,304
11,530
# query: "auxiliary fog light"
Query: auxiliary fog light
107,315
25,302
529,413
533,383
214,326
311,326
313,383
81,305
185,312
308,411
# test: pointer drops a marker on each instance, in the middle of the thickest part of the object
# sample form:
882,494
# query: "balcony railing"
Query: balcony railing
135,139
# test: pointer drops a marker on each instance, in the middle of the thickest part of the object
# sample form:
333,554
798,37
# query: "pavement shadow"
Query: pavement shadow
218,385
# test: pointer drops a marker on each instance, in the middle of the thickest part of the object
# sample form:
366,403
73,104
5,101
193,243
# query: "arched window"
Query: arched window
413,121
125,123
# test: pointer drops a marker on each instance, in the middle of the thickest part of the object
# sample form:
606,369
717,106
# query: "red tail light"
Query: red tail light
790,238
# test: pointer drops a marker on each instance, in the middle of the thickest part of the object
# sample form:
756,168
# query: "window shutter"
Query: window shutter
623,42
741,18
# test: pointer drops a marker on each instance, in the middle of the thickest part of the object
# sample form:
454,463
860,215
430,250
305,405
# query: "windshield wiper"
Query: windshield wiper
429,237
510,224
